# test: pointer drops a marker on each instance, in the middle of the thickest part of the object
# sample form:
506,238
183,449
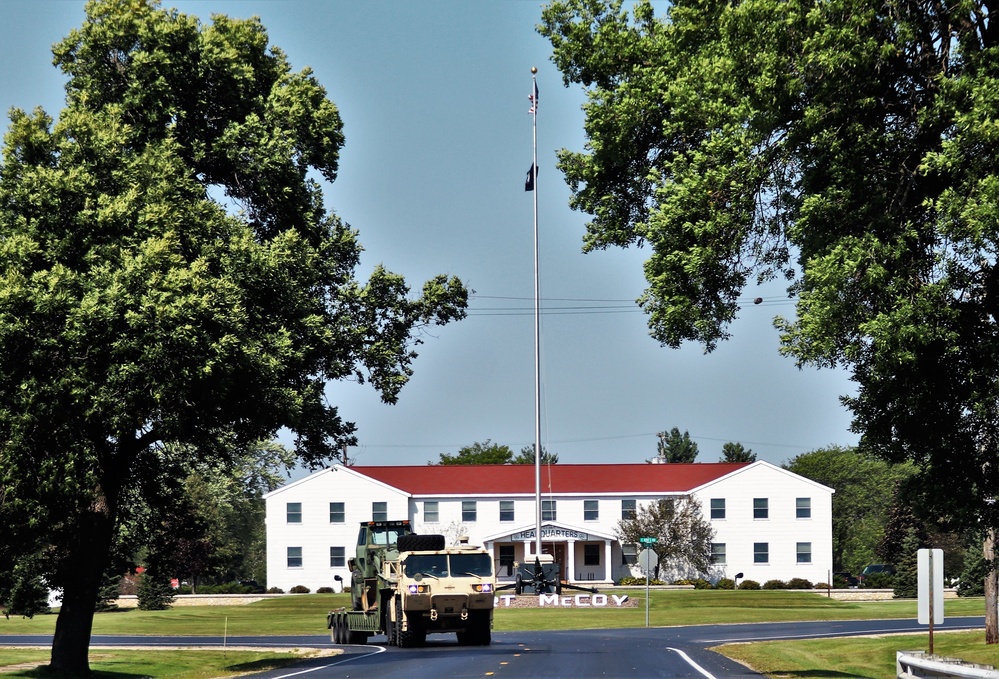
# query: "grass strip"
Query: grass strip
867,657
306,614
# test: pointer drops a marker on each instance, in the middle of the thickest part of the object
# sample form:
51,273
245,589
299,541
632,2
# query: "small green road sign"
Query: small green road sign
648,541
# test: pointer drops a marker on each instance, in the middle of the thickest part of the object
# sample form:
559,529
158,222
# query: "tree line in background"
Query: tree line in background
209,531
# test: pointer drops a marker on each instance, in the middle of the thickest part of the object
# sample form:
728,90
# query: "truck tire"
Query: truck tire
414,636
478,629
389,632
518,588
420,543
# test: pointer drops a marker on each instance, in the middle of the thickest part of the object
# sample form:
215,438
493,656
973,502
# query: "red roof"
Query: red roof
518,479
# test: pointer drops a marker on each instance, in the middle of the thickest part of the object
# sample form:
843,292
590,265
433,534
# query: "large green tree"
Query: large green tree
848,146
862,504
136,311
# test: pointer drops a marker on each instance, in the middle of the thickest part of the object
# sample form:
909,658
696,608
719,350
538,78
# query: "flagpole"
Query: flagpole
537,324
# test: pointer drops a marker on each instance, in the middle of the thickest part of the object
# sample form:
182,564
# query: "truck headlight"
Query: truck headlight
419,589
484,587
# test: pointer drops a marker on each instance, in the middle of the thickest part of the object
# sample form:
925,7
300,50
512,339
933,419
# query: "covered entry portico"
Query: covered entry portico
584,555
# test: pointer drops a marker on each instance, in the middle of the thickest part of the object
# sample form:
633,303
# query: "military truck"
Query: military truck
407,586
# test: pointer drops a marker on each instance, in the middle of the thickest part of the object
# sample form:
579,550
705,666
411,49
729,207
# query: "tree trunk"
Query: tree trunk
991,590
86,561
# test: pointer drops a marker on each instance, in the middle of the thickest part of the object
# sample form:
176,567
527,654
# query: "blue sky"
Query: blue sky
438,141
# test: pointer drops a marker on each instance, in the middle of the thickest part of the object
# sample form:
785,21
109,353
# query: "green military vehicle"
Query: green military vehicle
407,586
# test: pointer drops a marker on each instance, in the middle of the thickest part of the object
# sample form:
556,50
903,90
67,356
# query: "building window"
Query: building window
338,557
506,510
803,508
336,512
379,511
761,508
761,552
294,512
431,512
627,509
468,510
294,557
548,512
717,508
591,510
804,552
505,560
717,552
629,554
591,555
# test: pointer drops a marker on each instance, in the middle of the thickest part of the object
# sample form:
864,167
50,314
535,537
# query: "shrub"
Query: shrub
879,581
701,583
725,583
799,583
325,590
155,593
629,581
821,585
275,590
774,584
749,584
299,589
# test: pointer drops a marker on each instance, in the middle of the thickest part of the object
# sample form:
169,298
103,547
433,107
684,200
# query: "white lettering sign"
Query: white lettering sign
551,532
578,601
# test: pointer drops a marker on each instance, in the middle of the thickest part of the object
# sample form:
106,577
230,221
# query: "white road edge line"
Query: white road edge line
380,649
691,662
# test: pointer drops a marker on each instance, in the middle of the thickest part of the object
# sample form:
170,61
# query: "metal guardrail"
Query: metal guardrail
910,664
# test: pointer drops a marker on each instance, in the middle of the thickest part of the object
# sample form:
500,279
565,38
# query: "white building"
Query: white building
769,523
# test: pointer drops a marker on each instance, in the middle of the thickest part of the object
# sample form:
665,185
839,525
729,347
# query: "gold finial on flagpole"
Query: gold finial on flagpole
534,69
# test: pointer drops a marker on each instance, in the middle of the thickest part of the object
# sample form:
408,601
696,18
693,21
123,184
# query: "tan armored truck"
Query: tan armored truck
407,586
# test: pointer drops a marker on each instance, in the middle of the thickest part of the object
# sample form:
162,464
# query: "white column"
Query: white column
608,571
570,568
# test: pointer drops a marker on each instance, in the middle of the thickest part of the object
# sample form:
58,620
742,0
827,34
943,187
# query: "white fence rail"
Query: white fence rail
910,664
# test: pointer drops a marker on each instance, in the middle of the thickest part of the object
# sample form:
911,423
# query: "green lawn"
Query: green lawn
869,657
306,614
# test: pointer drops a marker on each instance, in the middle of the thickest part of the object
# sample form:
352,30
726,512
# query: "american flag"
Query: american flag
533,98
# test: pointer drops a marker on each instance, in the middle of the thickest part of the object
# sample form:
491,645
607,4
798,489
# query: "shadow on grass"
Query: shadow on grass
264,665
44,672
819,674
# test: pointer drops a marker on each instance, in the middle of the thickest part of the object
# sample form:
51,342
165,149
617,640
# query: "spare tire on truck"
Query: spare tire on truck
420,543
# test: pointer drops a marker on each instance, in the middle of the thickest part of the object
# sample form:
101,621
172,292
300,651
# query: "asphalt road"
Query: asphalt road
586,654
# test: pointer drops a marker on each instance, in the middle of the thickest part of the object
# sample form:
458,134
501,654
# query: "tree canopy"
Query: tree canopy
736,452
684,536
526,456
848,147
862,504
485,452
673,446
144,327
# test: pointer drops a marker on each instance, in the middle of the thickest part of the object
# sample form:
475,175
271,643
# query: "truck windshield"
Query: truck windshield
385,535
471,564
433,565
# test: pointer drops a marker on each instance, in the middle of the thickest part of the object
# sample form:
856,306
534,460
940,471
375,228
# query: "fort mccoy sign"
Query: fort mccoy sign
563,601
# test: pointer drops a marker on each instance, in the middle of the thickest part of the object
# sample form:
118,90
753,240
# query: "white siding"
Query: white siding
315,535
781,531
